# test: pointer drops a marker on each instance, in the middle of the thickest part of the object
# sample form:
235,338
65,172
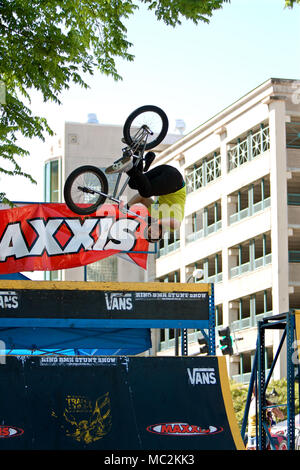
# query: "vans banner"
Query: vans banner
49,237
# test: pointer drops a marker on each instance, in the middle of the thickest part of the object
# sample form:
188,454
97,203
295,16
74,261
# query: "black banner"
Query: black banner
112,403
99,304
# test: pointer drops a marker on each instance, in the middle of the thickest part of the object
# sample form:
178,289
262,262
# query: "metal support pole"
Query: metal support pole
212,323
184,342
290,383
261,386
176,342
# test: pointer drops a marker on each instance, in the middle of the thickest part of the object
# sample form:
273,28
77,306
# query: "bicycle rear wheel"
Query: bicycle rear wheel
82,188
152,117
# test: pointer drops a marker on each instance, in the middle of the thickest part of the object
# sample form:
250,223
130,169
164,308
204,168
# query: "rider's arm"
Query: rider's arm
137,199
170,223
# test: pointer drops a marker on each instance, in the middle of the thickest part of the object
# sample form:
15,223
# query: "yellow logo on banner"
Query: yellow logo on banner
84,421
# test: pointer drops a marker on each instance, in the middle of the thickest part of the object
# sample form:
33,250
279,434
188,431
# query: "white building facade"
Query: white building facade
242,216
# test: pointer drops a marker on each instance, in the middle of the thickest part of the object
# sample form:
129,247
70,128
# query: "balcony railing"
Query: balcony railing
215,278
244,378
208,171
248,322
204,232
169,342
249,211
294,256
293,199
169,248
251,265
249,148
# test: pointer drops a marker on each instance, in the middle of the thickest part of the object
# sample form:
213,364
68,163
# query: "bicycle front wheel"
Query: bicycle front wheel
85,189
154,118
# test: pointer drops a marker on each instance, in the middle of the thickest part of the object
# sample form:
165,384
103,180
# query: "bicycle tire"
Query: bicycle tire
128,128
76,199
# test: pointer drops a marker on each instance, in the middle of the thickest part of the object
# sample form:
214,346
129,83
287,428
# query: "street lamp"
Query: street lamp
197,274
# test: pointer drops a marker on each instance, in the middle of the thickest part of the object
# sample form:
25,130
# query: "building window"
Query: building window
219,315
170,277
52,275
204,222
250,255
250,200
169,243
245,149
202,173
105,270
293,135
294,247
248,310
211,266
52,181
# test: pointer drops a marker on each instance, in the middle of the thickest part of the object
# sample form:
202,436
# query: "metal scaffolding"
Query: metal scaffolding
259,381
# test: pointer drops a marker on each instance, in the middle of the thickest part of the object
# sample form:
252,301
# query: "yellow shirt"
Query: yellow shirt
170,206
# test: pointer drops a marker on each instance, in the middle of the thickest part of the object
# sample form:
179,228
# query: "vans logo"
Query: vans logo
182,429
118,301
201,376
8,299
10,431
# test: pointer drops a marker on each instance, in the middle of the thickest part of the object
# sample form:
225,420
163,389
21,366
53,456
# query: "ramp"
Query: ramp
116,403
44,315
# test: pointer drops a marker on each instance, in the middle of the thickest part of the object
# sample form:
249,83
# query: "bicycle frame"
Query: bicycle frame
139,138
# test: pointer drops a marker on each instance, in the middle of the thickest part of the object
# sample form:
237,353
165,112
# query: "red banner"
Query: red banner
49,237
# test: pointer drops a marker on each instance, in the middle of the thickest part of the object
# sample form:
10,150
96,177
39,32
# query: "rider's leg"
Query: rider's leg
123,164
126,162
163,179
149,158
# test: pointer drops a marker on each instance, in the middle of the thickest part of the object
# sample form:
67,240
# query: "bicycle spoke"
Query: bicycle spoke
151,120
84,187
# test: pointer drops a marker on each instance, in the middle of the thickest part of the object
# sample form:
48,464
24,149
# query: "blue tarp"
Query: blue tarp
14,276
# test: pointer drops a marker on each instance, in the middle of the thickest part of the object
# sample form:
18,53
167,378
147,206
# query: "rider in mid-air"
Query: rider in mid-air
164,182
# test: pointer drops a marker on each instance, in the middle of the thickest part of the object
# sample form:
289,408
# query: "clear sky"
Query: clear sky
191,71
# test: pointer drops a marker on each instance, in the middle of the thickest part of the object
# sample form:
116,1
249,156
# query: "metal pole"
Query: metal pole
261,384
290,384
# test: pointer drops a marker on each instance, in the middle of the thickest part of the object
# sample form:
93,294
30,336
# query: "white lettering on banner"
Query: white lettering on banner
12,242
104,226
122,235
81,234
118,301
201,376
77,361
8,299
112,235
170,295
45,236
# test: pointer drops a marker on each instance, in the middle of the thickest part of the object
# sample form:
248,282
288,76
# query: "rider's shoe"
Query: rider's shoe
123,164
149,157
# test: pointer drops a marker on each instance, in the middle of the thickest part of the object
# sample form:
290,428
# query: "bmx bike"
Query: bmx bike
86,188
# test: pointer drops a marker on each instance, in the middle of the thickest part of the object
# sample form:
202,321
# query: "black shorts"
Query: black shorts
161,180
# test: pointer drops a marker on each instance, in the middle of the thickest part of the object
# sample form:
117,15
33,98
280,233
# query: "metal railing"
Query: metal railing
208,171
248,322
251,265
204,232
249,148
249,211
